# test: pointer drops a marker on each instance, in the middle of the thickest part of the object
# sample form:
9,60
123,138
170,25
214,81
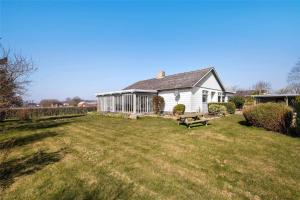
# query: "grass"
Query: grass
98,157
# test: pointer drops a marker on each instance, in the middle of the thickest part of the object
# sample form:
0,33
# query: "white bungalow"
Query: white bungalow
194,89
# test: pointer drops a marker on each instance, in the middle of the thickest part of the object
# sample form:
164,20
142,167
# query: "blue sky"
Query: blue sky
84,47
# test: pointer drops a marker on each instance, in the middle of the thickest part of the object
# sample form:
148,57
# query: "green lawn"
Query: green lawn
151,158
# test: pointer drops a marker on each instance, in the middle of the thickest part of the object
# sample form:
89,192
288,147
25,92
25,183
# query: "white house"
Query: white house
194,89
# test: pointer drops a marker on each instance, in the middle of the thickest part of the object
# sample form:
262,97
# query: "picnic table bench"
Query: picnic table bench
190,119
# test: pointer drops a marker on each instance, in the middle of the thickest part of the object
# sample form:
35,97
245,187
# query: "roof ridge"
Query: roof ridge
177,74
190,71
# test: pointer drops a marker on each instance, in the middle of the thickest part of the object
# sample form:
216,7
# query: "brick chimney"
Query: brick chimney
161,74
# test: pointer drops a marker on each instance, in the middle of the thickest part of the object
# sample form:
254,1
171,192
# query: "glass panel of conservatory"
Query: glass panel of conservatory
128,102
144,103
118,103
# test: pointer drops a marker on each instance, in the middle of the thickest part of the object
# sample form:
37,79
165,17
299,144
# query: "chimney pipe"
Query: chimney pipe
161,74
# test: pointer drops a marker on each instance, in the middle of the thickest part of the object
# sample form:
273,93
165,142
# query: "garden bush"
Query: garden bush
238,101
271,116
297,108
249,101
158,104
230,107
217,109
179,109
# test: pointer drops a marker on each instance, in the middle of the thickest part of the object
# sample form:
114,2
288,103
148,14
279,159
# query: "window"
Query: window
219,97
212,96
204,96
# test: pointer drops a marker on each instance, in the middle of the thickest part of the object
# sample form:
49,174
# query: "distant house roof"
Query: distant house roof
176,81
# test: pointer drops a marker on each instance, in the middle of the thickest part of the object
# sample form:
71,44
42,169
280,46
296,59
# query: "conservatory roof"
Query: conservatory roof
126,91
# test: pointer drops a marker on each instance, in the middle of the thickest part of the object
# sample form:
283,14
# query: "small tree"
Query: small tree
238,101
74,101
14,73
294,79
158,104
297,106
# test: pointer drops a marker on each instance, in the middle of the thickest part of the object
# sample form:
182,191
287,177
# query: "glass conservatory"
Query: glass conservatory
126,101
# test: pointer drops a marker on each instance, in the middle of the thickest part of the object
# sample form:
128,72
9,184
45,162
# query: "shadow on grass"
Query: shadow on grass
60,117
14,121
20,141
10,170
291,132
36,125
244,123
197,125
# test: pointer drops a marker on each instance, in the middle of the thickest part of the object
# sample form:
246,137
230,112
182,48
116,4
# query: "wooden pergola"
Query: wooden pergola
126,101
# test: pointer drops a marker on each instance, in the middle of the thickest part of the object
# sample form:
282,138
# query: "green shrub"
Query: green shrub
271,116
217,109
158,104
179,109
297,108
230,107
238,101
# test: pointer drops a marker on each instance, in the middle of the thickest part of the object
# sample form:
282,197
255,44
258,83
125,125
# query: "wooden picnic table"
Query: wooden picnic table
193,118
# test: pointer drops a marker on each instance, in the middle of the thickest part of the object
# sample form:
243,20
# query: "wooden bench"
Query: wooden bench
191,119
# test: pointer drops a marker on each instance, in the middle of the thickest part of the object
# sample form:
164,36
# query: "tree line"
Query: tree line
265,87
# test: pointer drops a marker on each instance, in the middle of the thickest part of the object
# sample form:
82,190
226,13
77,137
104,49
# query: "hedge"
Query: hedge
271,116
217,109
179,109
230,107
31,113
297,108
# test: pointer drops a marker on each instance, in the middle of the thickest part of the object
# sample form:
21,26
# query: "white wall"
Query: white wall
196,100
192,98
170,102
210,84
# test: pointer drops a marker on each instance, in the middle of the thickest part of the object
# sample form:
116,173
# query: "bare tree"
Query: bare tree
50,103
285,90
14,77
73,101
294,78
233,88
262,87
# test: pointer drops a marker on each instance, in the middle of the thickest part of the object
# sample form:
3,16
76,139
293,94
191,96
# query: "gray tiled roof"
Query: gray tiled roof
182,80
